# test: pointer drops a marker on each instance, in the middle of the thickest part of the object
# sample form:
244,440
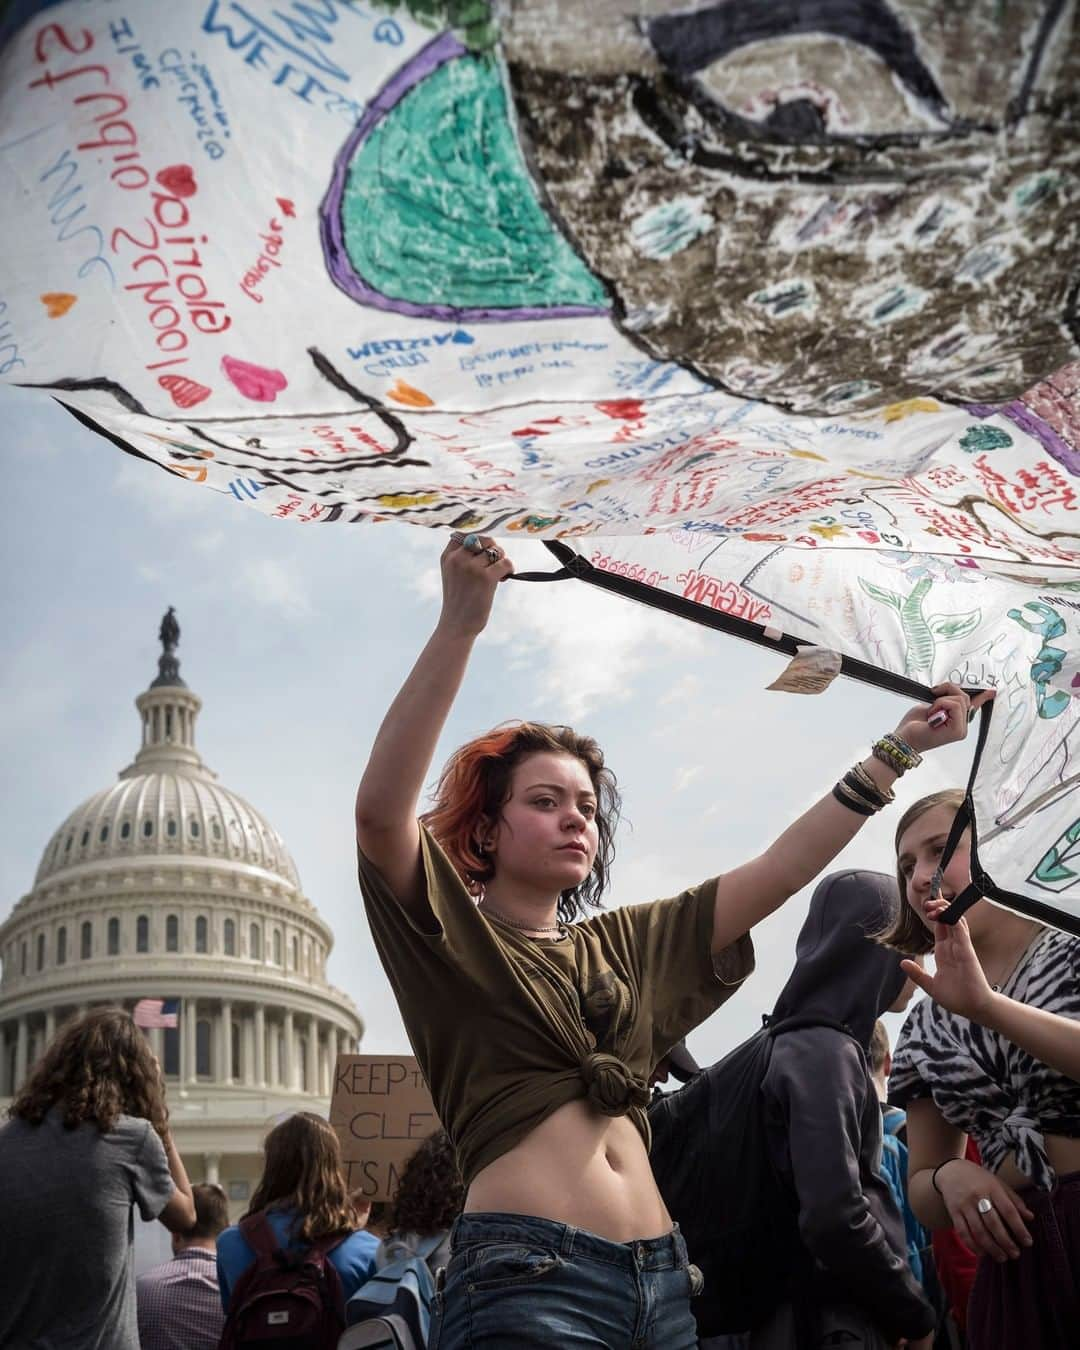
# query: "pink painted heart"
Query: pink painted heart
254,382
286,206
179,180
184,393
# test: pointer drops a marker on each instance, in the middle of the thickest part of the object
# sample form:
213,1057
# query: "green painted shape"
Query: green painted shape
984,438
439,208
1051,870
472,20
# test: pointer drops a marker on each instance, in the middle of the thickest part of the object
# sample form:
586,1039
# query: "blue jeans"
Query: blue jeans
515,1282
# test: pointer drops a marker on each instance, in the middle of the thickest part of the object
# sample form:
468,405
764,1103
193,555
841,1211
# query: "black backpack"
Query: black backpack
289,1298
712,1166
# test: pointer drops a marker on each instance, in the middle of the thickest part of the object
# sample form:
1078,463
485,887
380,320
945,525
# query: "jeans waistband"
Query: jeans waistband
662,1253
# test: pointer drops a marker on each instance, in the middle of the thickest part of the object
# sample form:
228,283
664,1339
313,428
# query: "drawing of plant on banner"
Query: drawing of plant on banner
1049,661
1059,867
922,632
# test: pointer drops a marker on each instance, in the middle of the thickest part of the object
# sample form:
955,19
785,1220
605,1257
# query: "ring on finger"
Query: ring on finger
471,544
494,554
456,537
985,1205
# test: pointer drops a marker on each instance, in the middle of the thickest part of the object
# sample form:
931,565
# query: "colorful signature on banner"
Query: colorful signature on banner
291,45
161,254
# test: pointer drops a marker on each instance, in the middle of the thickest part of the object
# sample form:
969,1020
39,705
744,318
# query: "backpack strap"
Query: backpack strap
256,1231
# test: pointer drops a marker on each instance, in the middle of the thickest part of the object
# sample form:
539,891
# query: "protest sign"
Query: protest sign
382,1111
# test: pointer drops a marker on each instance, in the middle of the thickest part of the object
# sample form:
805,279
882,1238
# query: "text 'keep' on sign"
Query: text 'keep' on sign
382,1111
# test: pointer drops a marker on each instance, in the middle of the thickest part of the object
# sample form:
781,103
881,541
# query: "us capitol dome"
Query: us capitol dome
169,886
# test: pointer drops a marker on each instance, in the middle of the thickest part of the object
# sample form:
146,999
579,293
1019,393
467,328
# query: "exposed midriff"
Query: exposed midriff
577,1167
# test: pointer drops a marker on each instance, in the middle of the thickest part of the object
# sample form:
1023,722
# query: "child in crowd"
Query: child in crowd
303,1194
536,1033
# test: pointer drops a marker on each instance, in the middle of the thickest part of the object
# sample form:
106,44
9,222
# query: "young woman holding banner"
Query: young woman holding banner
995,1054
537,1027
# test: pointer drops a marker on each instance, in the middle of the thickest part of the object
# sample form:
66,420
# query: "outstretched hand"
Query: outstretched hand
958,982
944,721
470,576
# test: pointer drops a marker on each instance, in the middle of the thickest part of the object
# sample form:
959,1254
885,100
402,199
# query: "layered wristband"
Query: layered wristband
859,793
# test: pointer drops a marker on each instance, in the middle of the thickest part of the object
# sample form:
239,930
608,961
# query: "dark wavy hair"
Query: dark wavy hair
431,1192
98,1067
475,784
302,1171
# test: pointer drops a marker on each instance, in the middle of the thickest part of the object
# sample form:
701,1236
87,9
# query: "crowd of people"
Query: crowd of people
815,1187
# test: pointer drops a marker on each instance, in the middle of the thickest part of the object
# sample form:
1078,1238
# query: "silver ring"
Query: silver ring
457,537
471,544
494,554
985,1205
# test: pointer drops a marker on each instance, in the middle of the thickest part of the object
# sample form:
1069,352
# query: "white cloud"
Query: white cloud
273,586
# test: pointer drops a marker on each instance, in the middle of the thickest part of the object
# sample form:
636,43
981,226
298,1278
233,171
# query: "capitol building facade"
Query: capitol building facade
167,885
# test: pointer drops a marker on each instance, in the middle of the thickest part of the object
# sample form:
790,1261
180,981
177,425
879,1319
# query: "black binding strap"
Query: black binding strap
574,565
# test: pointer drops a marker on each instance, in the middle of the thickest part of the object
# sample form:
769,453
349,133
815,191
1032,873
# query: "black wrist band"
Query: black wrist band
937,1169
860,810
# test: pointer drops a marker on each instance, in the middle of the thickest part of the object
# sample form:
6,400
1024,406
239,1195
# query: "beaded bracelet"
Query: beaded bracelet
896,753
851,800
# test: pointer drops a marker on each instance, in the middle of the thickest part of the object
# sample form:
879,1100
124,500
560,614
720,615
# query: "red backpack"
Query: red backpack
288,1299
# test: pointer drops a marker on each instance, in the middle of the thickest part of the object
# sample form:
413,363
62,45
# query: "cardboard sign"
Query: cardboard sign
382,1111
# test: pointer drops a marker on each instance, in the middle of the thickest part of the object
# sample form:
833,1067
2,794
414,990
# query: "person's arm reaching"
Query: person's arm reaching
178,1216
821,1098
960,985
749,893
389,791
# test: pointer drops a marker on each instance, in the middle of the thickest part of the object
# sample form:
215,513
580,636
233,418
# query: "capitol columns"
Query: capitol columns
260,1046
22,1049
50,1027
290,1052
228,1068
313,1085
187,1044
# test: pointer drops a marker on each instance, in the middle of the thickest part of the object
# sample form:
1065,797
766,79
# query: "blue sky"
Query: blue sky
297,637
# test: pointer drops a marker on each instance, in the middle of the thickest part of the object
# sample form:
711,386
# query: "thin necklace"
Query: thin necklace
522,927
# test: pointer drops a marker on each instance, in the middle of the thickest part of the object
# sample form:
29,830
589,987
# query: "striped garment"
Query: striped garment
983,1084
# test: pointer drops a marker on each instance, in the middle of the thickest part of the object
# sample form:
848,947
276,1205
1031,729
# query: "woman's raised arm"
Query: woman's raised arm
400,759
749,893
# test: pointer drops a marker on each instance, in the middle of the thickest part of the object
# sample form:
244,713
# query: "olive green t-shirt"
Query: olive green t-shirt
506,1028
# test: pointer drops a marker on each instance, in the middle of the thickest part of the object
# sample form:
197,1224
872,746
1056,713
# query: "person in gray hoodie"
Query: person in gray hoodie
824,1134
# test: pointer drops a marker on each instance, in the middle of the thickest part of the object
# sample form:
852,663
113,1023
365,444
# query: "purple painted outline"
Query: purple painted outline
1028,420
437,53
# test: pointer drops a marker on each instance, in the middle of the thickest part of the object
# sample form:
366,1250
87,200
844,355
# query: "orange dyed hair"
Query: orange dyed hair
475,784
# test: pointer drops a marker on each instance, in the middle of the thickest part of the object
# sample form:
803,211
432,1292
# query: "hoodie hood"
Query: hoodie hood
839,972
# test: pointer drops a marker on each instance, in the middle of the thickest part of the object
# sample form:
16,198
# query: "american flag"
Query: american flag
157,1012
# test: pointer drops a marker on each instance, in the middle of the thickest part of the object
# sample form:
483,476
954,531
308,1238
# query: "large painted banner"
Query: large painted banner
767,313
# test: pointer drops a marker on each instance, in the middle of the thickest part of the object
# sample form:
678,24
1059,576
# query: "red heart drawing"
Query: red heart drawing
254,382
184,393
286,206
179,180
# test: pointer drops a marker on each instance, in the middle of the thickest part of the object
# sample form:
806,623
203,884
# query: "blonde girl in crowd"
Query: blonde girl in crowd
994,1053
537,1023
